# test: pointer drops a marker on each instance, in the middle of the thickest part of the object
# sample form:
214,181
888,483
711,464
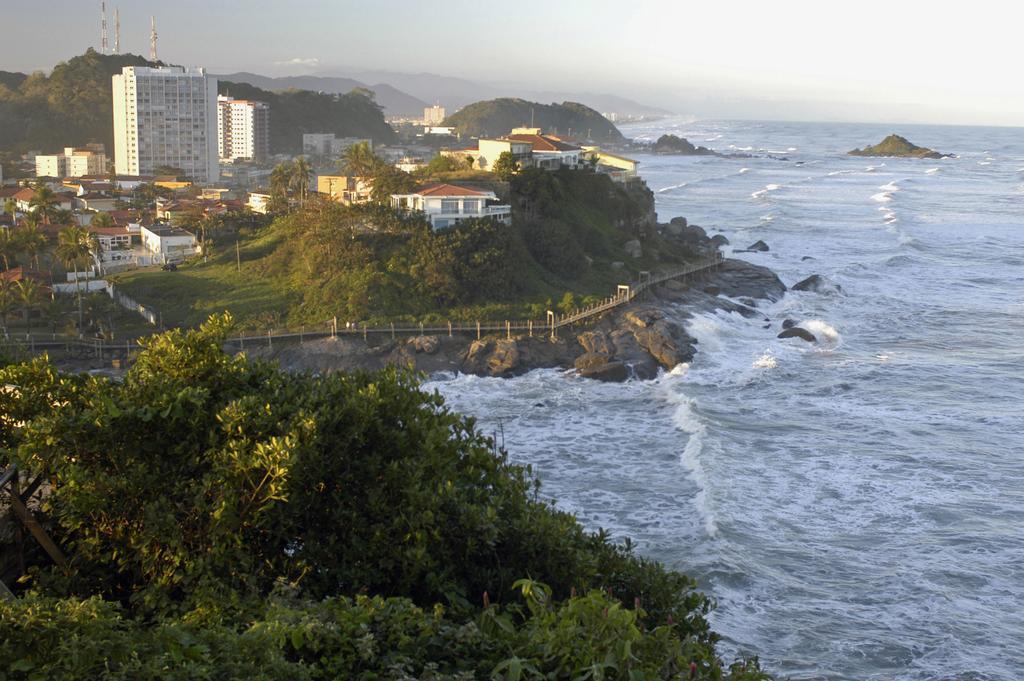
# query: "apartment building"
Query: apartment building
243,129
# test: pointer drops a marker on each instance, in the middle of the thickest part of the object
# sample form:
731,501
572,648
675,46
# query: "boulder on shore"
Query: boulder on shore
492,357
719,240
819,284
798,332
425,344
611,372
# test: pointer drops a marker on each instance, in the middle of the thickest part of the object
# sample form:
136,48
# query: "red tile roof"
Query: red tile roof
16,274
449,190
544,142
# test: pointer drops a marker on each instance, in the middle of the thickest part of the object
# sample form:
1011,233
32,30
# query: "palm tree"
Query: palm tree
32,242
299,180
102,220
43,201
30,294
7,302
11,207
359,160
280,179
74,248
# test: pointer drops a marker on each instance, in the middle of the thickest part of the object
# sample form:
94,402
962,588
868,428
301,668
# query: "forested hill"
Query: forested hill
73,106
294,112
498,116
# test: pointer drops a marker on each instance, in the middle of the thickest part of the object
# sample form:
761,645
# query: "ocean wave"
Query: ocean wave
932,171
766,361
675,186
882,197
687,421
828,337
890,187
744,170
764,192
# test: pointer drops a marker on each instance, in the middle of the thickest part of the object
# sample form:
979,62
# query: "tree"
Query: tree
30,295
359,160
9,247
7,301
505,166
388,180
31,242
75,247
102,219
43,202
280,183
299,180
11,208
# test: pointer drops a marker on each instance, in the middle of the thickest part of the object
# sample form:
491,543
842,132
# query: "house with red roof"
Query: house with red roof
445,205
549,152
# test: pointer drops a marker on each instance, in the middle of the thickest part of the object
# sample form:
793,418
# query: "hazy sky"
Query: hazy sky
895,60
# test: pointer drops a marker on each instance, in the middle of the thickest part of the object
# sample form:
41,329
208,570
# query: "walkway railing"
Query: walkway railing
332,329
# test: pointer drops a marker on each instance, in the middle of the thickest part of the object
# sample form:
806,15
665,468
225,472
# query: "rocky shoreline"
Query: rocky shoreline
633,342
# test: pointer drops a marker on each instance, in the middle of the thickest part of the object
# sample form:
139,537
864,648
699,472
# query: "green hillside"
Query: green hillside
73,106
294,112
498,116
568,235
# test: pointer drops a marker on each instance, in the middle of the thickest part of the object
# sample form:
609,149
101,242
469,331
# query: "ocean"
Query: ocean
855,506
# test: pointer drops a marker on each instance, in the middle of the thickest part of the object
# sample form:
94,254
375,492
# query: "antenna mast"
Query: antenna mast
117,31
103,27
152,38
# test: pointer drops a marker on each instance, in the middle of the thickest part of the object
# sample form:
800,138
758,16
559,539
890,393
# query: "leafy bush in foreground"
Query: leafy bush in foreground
219,515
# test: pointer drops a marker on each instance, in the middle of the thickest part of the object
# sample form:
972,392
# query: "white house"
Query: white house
445,205
549,152
259,202
168,244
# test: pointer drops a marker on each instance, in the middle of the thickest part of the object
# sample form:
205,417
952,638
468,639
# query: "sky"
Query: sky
893,61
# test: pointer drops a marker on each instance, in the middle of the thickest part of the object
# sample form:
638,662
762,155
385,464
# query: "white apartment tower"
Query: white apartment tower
243,129
165,116
433,115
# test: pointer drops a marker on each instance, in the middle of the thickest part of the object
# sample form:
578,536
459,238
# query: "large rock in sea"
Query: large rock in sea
492,357
798,332
611,372
673,144
758,247
719,240
819,284
894,145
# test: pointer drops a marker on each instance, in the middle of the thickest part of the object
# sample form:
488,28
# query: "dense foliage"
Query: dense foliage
294,112
71,106
74,105
223,519
497,117
367,263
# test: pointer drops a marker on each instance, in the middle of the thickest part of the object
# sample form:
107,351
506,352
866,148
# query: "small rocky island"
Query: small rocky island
679,146
897,146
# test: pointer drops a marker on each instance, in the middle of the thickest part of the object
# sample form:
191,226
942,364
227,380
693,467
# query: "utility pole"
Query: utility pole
238,256
152,38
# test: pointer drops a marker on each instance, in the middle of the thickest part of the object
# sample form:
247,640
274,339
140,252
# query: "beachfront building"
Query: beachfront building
619,168
346,189
243,129
547,151
487,152
445,205
165,116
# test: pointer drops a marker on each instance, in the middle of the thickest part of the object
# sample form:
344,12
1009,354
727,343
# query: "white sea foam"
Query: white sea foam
890,187
744,170
690,423
828,337
932,171
882,197
673,187
764,192
766,361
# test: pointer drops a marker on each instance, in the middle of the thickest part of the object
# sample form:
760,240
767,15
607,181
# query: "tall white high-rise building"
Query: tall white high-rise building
243,129
165,116
433,115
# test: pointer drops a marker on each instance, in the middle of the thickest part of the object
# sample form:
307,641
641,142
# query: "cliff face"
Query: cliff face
897,146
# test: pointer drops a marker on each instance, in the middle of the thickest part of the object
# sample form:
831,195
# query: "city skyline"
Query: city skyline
797,60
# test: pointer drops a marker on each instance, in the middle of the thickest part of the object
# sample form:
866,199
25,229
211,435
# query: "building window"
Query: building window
449,205
471,206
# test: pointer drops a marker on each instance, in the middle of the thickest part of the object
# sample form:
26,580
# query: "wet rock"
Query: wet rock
425,344
719,240
595,342
680,220
737,278
758,247
712,290
612,372
819,284
590,360
806,257
788,323
490,357
797,332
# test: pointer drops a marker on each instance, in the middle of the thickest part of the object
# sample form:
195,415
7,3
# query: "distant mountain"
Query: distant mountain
498,116
894,145
394,101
